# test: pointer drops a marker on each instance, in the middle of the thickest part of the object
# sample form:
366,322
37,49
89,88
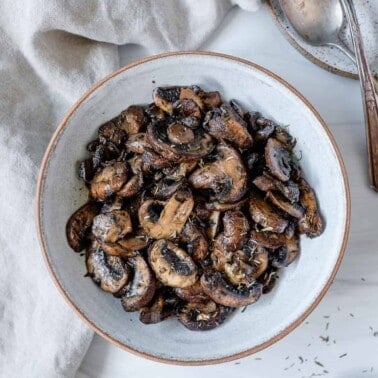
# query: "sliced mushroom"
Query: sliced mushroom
79,225
131,187
213,224
222,292
239,273
268,280
172,265
166,188
266,128
141,289
293,209
196,242
293,249
173,147
214,205
109,132
257,256
280,257
267,183
210,100
227,176
278,159
226,124
87,170
269,240
166,219
108,181
152,161
265,215
138,143
183,169
235,230
202,316
111,204
112,226
285,138
136,165
311,224
165,97
115,249
132,120
192,293
162,306
109,272
220,255
154,112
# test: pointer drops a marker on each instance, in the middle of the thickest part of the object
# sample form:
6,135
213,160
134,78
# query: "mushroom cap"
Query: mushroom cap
278,159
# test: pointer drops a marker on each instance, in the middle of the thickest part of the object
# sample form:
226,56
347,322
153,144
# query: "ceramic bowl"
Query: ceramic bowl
300,287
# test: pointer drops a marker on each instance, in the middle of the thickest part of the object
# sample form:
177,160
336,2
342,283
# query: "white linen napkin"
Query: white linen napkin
51,51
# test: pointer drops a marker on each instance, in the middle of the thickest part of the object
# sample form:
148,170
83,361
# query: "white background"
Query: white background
347,318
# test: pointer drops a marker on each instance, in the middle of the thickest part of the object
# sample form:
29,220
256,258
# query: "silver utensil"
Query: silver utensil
319,22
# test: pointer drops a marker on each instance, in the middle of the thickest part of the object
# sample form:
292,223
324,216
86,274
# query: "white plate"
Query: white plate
300,287
329,57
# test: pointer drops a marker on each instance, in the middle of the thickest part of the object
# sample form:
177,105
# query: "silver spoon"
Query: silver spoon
319,22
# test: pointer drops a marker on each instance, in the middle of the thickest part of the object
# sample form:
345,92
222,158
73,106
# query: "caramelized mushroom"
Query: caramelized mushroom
109,132
226,176
165,97
268,280
192,293
278,159
235,230
110,227
210,100
140,290
226,124
132,120
269,240
109,272
138,143
195,240
222,292
172,265
166,219
79,224
166,188
131,187
214,205
311,224
202,316
108,181
293,209
265,215
179,134
213,224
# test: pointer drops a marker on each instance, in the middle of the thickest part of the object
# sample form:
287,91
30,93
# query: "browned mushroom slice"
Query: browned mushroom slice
115,249
172,265
111,204
154,112
227,176
182,170
265,215
220,256
293,209
293,249
239,273
152,161
137,143
257,256
166,219
109,272
265,128
285,138
214,205
136,164
269,240
165,97
109,132
268,280
108,181
210,100
79,225
226,124
202,316
87,170
141,289
235,230
311,224
190,94
165,188
238,108
267,183
131,187
162,306
213,224
187,113
278,159
192,293
196,242
110,227
222,292
132,120
160,136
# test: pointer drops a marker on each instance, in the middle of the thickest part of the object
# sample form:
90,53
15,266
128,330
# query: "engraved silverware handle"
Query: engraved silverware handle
368,94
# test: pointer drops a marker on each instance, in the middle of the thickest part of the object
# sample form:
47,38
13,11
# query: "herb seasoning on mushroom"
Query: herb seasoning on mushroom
194,206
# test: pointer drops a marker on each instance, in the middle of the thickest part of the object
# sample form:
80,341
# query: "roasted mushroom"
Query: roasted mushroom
195,240
226,176
166,219
140,290
192,293
269,240
79,224
172,265
202,316
162,306
138,143
109,272
112,226
131,187
166,188
235,230
210,100
109,132
222,292
108,181
293,209
265,215
278,159
311,224
132,120
226,124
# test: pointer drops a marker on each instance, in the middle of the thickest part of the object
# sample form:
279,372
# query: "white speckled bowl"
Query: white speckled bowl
300,287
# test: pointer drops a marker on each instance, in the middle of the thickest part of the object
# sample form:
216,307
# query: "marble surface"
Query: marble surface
340,338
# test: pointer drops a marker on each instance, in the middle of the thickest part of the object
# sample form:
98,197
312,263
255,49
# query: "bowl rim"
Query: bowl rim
93,326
